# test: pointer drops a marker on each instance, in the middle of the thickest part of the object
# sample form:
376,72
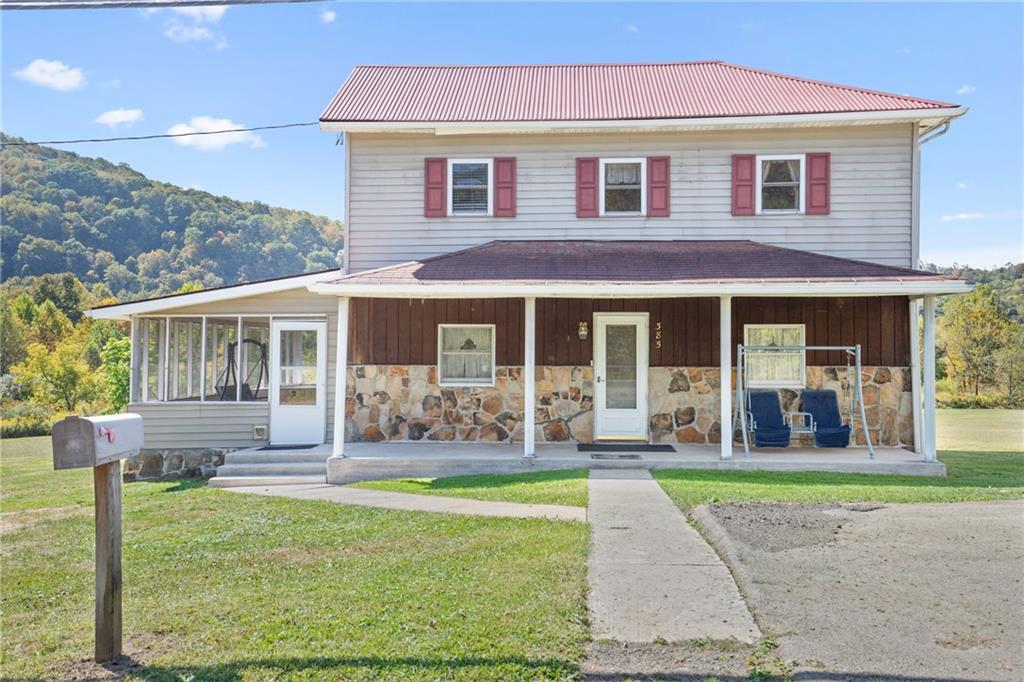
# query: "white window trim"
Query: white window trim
801,191
643,186
441,381
762,383
490,189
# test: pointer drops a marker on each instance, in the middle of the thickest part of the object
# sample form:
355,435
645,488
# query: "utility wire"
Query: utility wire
121,4
161,135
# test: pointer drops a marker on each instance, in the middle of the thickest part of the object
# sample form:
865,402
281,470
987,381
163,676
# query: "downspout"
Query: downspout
929,135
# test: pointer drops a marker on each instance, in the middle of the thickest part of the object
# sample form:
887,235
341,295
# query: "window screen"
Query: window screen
780,185
470,185
777,368
622,187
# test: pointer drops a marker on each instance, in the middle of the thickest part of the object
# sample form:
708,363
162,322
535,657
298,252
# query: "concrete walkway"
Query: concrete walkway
651,574
409,502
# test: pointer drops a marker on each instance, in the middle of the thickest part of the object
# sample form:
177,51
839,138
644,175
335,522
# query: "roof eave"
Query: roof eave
926,117
804,288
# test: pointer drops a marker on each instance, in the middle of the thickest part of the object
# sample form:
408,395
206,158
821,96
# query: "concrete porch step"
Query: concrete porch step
279,457
277,468
238,481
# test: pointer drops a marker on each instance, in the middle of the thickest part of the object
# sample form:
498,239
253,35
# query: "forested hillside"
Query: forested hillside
1007,282
109,224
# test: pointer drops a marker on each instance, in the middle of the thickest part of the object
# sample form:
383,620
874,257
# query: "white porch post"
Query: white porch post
340,379
929,379
725,380
915,375
529,376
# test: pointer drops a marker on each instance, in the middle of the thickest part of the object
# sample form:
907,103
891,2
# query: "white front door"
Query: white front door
298,382
620,376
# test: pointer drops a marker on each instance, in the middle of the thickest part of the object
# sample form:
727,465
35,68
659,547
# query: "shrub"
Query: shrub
27,419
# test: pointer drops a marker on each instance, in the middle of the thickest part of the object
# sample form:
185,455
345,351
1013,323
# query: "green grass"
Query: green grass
227,586
972,476
568,487
982,430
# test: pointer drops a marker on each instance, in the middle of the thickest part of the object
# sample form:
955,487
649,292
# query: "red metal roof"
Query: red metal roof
594,92
630,262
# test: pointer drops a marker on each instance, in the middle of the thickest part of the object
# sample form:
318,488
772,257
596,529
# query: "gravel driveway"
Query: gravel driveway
930,591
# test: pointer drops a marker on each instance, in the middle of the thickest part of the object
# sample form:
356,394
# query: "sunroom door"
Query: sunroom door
298,382
620,376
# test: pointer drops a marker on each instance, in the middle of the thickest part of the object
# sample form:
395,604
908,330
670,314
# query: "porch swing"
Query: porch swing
226,382
821,414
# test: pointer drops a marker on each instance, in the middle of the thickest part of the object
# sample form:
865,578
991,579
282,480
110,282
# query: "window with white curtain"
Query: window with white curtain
780,182
623,186
465,354
770,368
469,186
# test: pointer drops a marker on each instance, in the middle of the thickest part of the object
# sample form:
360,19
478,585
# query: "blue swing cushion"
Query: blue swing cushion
769,429
829,429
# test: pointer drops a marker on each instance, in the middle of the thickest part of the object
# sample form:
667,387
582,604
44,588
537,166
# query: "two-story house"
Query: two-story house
571,254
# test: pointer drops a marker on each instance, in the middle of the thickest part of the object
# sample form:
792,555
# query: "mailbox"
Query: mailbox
91,441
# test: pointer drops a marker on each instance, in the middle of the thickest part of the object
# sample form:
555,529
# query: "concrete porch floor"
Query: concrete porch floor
370,461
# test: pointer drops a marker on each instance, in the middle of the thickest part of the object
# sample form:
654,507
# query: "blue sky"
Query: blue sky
256,65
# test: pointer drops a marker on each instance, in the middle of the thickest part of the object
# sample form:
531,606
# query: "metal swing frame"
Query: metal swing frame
743,389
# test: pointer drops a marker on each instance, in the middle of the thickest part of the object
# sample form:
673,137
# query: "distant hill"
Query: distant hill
1007,281
109,224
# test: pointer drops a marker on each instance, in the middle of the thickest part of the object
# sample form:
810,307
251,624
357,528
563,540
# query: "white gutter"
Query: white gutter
682,124
562,290
124,311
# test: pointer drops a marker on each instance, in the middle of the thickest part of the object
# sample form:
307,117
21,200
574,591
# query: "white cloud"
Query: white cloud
114,82
209,14
903,50
52,74
204,124
965,89
961,185
631,28
956,217
116,117
328,16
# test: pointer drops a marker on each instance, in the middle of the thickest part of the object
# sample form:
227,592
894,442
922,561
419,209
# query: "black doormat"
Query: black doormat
613,456
624,447
287,447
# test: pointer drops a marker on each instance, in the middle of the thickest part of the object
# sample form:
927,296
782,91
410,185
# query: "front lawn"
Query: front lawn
982,430
972,476
225,586
568,487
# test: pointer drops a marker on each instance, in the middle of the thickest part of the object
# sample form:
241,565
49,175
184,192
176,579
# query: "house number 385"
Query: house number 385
657,334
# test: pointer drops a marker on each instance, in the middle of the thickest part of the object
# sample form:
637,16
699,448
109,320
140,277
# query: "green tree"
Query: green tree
972,329
58,377
50,325
1010,364
13,338
24,307
116,370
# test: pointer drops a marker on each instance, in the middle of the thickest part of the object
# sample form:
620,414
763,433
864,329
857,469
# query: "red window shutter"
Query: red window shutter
658,201
818,184
743,184
505,187
586,187
435,188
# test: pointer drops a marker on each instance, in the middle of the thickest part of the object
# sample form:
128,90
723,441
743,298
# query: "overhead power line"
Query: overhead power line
161,135
139,4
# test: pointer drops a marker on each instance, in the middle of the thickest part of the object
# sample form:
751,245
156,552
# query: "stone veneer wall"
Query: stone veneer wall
684,403
169,464
398,402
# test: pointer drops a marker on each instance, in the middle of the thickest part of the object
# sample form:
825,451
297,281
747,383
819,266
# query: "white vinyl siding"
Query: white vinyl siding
871,197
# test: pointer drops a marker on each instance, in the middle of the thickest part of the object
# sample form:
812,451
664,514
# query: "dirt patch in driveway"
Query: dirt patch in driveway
928,591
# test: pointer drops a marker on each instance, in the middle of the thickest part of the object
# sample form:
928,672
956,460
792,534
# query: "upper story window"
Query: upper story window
780,181
469,187
623,187
775,364
465,354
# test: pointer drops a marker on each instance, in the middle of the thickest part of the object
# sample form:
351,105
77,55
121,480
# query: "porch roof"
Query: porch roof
646,267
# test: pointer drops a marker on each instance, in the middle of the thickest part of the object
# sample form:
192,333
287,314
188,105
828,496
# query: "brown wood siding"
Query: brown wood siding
404,332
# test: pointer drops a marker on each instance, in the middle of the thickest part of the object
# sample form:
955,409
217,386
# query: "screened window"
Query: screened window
622,186
469,182
780,184
179,359
775,368
465,354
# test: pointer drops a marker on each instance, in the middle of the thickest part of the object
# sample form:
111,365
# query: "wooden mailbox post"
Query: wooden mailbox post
101,443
